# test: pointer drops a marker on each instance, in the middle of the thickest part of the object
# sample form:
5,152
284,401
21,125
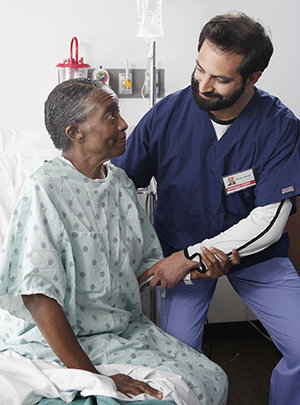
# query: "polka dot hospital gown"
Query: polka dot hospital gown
83,242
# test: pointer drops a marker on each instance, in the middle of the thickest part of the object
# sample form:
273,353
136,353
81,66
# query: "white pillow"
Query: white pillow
26,140
15,168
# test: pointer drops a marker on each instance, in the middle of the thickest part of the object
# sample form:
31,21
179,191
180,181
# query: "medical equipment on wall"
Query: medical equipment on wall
101,75
72,68
149,27
127,82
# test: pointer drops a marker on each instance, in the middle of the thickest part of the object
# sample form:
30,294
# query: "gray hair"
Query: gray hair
69,103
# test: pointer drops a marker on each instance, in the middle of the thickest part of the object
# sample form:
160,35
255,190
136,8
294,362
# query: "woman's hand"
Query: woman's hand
56,329
130,387
169,271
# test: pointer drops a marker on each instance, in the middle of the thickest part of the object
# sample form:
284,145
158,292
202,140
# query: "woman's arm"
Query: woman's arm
55,328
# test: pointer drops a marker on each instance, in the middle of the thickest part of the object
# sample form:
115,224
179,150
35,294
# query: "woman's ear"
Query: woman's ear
74,134
252,79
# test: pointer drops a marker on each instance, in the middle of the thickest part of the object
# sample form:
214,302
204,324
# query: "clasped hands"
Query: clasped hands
170,271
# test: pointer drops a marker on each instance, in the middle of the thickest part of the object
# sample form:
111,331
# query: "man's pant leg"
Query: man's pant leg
272,291
183,310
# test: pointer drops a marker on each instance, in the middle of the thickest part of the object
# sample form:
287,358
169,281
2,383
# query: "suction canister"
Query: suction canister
72,68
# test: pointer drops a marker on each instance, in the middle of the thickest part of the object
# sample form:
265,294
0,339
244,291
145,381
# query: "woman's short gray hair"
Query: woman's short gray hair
69,103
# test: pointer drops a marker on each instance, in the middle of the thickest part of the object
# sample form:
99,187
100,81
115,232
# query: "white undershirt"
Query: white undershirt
260,229
220,129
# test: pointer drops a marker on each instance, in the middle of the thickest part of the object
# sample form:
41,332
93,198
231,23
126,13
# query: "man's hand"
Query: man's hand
169,271
217,263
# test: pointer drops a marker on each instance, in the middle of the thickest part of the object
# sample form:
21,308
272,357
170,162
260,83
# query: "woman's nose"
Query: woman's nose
122,124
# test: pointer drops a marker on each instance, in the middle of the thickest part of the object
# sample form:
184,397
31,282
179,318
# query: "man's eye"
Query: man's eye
222,81
111,116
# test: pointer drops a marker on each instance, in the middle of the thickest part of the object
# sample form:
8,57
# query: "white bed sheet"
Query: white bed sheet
25,382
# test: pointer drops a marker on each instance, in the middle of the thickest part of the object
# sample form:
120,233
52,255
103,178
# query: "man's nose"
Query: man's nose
206,85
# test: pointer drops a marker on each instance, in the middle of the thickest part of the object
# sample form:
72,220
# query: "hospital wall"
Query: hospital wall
35,35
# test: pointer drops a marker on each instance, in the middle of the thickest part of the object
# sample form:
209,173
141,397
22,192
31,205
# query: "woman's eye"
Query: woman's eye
111,116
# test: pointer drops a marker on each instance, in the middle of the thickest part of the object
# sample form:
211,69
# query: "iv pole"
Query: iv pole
153,296
153,75
142,7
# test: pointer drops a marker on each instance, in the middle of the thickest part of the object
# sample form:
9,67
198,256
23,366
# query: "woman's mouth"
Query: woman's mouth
122,140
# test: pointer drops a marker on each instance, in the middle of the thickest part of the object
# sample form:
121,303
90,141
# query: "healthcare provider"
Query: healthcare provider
224,155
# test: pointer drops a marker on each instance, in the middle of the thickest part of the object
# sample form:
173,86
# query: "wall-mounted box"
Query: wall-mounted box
138,79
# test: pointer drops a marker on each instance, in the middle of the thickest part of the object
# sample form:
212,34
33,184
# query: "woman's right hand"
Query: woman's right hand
130,387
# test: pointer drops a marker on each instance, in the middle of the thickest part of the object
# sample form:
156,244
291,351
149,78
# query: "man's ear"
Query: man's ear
73,133
252,79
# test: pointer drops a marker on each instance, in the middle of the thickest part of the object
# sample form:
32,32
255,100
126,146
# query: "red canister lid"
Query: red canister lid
71,62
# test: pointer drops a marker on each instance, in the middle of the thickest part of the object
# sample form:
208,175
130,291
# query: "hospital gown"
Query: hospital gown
84,242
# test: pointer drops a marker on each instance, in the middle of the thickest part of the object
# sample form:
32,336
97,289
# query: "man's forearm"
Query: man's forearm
262,228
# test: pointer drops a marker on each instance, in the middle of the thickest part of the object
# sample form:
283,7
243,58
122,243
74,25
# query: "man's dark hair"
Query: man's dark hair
241,34
70,102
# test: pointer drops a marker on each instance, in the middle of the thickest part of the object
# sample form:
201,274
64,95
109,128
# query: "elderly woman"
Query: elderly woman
77,243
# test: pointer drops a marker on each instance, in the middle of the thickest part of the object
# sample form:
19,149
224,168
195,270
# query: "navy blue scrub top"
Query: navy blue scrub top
176,143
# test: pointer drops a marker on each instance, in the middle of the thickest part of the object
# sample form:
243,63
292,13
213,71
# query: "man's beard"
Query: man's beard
220,103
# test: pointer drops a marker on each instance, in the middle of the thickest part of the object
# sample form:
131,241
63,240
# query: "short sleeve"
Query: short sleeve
278,179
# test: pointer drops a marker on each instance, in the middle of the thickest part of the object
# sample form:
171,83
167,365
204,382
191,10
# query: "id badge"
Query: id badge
239,181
